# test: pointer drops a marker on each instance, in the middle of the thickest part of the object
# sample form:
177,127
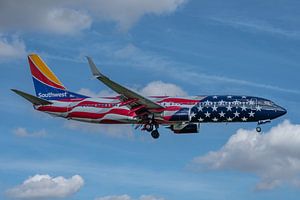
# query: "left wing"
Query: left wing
129,97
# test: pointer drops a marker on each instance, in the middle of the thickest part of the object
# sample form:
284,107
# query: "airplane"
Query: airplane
182,115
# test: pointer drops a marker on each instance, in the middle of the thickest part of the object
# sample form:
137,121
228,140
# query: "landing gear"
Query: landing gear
155,134
151,126
258,129
148,127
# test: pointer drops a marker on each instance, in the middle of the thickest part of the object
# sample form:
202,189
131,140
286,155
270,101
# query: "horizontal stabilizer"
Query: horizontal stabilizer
33,99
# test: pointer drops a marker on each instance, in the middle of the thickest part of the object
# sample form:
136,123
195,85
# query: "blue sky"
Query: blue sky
201,47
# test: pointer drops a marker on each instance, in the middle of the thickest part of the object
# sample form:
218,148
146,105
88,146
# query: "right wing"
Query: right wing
128,96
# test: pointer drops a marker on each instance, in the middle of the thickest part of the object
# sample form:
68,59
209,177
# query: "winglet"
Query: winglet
33,99
93,67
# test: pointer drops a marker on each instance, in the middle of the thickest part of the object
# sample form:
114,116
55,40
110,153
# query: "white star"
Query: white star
200,119
258,108
229,119
236,114
200,108
236,102
207,103
207,114
215,97
214,108
251,102
229,97
221,102
244,119
251,114
244,107
229,107
222,114
193,114
215,119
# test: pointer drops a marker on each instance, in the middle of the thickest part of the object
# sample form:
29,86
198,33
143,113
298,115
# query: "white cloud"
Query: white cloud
22,132
115,197
45,186
69,17
128,12
50,17
12,47
273,156
150,197
127,197
67,21
161,88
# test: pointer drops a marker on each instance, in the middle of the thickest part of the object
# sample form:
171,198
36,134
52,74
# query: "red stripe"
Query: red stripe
81,114
40,76
53,109
179,100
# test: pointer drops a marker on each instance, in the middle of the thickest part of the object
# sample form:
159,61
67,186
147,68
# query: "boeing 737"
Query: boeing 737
179,114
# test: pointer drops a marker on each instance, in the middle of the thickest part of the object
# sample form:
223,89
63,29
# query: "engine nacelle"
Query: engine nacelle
185,128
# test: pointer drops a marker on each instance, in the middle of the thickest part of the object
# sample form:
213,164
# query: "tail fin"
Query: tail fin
47,85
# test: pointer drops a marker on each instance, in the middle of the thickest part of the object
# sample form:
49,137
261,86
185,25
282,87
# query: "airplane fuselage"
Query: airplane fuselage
197,109
180,114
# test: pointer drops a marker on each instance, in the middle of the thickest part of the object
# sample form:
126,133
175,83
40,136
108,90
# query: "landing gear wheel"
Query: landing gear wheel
258,129
149,127
155,134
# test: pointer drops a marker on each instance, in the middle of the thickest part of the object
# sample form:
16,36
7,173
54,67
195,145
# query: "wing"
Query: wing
129,97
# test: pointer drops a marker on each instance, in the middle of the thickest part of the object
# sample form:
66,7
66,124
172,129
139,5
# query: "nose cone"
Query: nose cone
281,111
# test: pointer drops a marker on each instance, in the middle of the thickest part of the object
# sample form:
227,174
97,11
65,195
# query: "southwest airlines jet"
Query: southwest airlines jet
179,114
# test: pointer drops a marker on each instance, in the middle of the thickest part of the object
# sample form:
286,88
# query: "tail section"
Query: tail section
32,99
47,85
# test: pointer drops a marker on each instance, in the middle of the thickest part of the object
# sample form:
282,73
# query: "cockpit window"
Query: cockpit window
265,103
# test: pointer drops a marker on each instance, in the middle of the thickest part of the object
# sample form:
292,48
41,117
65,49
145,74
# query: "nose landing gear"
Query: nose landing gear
258,129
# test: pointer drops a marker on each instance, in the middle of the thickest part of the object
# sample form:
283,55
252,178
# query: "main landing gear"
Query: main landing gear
150,125
153,129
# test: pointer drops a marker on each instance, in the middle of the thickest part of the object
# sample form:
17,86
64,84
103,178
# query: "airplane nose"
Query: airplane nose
281,110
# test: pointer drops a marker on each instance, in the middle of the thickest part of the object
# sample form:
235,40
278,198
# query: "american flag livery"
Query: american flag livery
180,114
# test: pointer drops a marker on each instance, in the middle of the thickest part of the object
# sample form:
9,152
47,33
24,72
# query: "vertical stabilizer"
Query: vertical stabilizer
46,84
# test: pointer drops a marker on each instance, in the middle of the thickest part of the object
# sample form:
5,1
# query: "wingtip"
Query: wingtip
93,67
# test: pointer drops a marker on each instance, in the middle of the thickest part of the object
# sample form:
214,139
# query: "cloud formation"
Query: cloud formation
69,17
273,156
22,132
45,186
161,88
127,197
11,47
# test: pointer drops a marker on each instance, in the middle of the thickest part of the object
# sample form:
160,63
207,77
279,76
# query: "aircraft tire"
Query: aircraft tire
149,127
155,134
258,129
